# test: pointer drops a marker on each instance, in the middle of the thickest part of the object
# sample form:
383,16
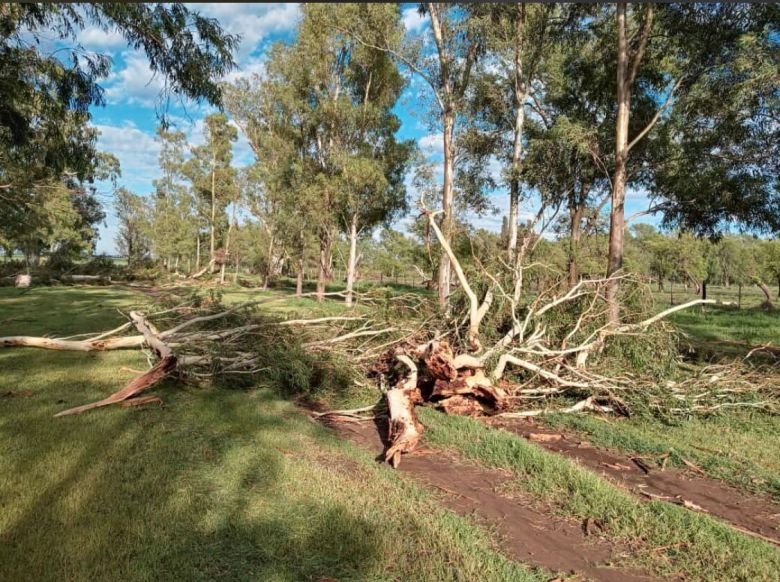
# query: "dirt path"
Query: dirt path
529,532
746,511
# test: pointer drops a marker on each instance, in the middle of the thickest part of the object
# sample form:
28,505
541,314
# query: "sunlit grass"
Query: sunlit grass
670,540
217,484
742,448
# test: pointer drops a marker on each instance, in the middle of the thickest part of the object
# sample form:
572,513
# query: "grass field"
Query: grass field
238,484
218,484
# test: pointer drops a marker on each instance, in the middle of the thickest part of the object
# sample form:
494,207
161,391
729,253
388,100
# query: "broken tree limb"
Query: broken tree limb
547,375
581,406
405,431
477,311
161,370
89,345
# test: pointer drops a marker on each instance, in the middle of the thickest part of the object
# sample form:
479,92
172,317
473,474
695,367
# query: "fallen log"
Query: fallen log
87,345
164,368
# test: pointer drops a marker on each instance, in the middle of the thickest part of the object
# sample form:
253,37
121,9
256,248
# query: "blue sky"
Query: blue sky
127,122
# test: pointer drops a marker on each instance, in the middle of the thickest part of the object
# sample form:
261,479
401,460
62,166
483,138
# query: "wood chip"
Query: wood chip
543,437
641,464
693,466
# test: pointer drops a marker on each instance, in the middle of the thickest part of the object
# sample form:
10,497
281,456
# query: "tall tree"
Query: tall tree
132,235
674,59
45,95
213,178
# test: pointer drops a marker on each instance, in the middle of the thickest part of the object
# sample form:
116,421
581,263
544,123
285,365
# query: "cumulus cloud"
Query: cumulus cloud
254,22
136,84
136,150
432,143
99,40
247,70
412,20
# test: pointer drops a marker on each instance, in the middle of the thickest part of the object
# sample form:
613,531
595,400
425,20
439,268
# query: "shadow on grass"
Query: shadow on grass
198,490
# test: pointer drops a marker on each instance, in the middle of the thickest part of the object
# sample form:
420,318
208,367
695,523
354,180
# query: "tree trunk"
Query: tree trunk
447,195
326,262
299,279
575,227
352,260
212,244
227,244
704,289
197,252
617,213
517,145
767,304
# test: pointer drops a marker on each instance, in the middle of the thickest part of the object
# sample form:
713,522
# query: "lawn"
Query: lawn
668,540
225,483
217,484
716,326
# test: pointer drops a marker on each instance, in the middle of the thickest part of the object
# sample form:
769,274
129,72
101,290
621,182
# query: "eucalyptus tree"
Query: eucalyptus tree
46,93
212,176
517,39
704,66
442,57
132,237
174,228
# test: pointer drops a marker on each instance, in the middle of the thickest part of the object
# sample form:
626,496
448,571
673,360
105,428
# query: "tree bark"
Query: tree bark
90,345
575,229
617,213
767,304
197,252
227,245
326,262
517,145
447,196
299,279
212,243
352,260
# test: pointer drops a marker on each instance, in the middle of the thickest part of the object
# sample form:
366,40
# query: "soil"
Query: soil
529,531
751,513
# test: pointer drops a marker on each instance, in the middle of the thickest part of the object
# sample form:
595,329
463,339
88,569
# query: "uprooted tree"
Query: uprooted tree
499,348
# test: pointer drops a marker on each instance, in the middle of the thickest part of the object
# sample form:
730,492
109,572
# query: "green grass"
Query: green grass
712,323
218,484
696,546
742,448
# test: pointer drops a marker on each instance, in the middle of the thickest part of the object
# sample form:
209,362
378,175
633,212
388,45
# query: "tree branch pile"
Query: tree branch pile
541,347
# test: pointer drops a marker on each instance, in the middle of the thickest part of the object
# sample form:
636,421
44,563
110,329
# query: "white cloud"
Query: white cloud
412,20
136,83
97,39
254,22
136,150
252,67
432,143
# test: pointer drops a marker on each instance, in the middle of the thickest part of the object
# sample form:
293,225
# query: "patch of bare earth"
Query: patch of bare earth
751,513
528,531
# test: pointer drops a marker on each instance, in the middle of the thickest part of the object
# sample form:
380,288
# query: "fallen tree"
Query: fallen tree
498,349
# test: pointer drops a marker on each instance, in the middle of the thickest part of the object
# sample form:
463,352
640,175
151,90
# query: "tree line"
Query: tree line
562,108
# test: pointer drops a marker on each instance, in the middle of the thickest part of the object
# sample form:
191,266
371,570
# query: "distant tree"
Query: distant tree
213,178
133,214
45,95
